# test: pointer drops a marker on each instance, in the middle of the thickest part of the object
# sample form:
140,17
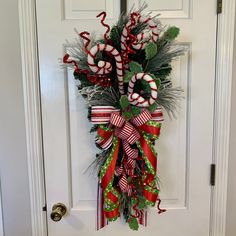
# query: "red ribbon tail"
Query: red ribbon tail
143,218
101,219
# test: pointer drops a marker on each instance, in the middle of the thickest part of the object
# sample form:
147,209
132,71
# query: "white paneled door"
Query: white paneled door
185,147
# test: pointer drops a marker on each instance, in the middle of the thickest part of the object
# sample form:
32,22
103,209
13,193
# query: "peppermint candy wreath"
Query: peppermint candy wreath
125,80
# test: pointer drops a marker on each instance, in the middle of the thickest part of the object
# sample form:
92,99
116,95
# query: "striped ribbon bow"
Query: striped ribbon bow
110,115
114,130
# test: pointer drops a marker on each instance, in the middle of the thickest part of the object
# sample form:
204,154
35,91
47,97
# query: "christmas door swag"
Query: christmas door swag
125,79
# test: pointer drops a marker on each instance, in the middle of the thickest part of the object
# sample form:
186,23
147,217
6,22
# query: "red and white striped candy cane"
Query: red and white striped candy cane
126,32
135,98
141,39
104,67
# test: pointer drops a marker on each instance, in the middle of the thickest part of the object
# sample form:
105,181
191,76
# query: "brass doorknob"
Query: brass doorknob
58,210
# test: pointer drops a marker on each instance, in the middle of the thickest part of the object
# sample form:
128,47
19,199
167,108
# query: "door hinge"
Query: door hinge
213,175
219,6
44,208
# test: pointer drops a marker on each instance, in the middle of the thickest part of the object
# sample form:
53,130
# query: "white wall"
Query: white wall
231,204
13,165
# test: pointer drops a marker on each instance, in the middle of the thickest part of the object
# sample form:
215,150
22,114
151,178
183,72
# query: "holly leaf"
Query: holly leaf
135,67
128,76
157,80
152,107
150,50
171,33
133,201
128,115
133,223
145,86
112,219
135,111
124,102
141,204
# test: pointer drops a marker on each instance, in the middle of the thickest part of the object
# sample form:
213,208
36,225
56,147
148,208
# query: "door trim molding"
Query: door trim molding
31,87
1,213
222,113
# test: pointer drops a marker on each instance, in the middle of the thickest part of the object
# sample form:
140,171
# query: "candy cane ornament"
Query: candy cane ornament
140,41
104,67
136,99
143,38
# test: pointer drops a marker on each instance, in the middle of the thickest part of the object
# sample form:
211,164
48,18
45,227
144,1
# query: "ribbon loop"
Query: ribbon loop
142,118
117,120
126,131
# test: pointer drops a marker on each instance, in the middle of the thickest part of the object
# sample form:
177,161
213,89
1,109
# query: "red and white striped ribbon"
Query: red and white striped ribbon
101,219
157,115
102,114
129,168
119,170
125,131
130,152
143,218
117,120
142,118
123,182
104,143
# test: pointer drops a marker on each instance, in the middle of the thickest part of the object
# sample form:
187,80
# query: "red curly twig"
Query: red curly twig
67,61
158,207
104,14
133,18
84,35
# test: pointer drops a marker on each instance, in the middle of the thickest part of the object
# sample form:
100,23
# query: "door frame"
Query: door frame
32,104
1,213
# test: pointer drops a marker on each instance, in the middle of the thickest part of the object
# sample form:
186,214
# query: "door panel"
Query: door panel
173,146
79,9
168,9
185,145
